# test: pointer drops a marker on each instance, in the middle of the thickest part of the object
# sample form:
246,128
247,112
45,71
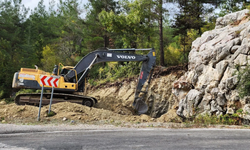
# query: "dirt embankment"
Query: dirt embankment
114,104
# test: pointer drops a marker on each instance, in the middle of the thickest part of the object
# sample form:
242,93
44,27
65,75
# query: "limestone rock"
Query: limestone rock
193,98
211,81
230,111
246,111
227,19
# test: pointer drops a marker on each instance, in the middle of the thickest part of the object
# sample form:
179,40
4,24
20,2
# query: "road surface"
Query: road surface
70,138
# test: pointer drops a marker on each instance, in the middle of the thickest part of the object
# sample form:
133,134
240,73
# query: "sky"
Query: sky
33,3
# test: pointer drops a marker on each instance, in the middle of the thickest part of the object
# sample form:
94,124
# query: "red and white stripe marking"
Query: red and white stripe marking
49,81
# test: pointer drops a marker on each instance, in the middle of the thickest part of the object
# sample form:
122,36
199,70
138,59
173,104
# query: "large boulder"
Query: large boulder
211,76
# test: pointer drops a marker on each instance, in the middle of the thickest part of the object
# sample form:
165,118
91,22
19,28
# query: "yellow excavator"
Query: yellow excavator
69,82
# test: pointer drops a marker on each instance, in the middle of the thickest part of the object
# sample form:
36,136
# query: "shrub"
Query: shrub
243,85
113,71
205,120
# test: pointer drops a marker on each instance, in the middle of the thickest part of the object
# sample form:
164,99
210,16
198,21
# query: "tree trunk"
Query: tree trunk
161,34
106,40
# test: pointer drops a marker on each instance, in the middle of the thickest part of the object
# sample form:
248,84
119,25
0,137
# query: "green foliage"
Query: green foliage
26,91
1,93
239,111
248,7
51,113
15,51
112,71
94,43
226,119
2,119
208,26
173,54
205,120
186,43
96,33
243,76
229,6
188,25
8,100
132,25
192,34
176,53
49,58
92,82
189,18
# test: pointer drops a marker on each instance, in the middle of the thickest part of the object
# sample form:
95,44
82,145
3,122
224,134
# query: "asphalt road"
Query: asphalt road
126,139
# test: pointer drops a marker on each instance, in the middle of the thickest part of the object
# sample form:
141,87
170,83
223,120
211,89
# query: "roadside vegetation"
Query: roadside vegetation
207,120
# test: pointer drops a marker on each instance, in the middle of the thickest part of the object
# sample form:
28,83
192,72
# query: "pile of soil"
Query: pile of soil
12,113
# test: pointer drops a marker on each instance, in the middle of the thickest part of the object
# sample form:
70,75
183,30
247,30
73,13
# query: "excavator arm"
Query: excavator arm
113,55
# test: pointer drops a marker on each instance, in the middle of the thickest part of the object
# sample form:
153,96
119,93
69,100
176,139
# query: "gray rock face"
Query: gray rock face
210,83
227,19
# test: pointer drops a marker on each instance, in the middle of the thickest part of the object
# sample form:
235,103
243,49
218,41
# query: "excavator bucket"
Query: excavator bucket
140,106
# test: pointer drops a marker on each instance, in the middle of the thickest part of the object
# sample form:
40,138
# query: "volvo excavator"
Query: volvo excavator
69,82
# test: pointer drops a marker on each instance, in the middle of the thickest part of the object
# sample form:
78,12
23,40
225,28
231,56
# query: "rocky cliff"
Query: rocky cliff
209,86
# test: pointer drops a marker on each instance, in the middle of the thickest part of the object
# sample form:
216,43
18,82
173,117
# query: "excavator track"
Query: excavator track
34,99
